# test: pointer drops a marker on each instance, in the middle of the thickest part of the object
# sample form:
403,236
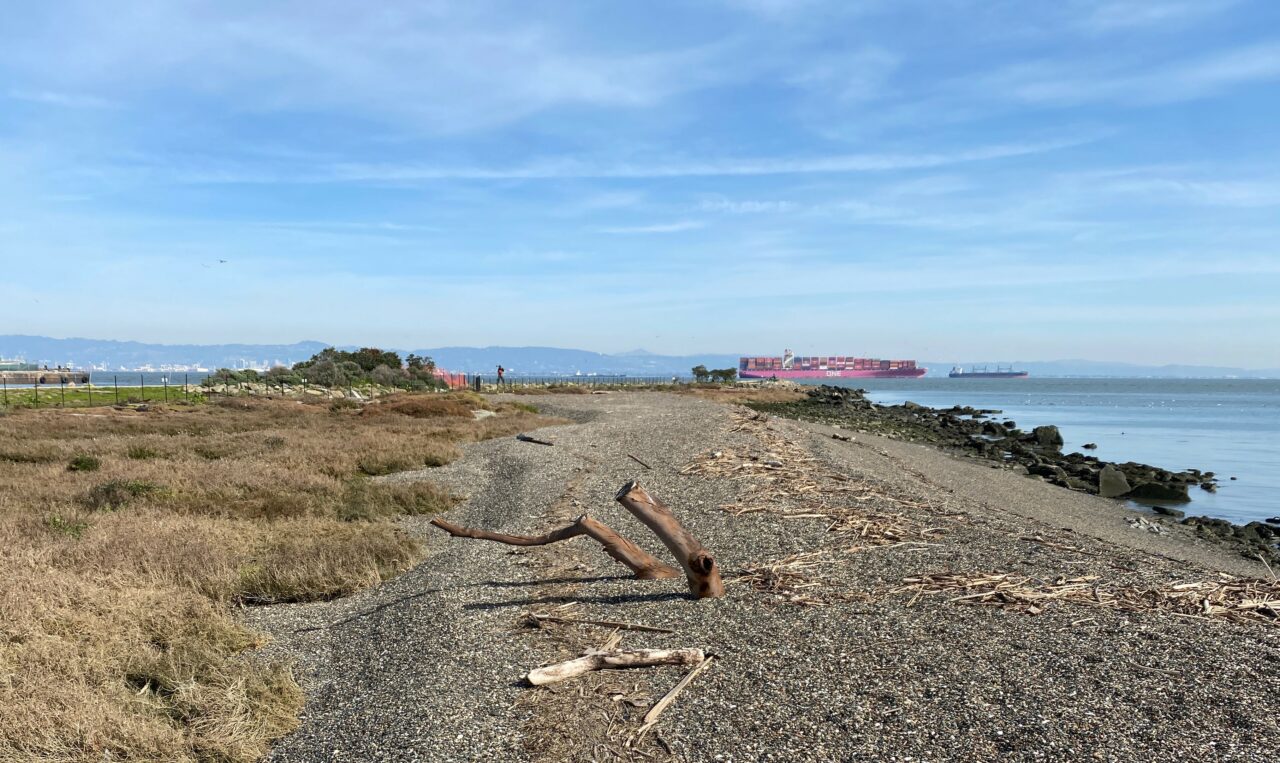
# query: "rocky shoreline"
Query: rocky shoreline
981,433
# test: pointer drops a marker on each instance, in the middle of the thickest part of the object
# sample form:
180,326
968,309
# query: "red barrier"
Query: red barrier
452,380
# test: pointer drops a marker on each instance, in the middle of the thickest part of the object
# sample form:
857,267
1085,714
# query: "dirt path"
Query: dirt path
428,666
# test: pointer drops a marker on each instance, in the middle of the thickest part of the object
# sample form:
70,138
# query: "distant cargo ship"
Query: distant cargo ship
983,373
827,367
18,371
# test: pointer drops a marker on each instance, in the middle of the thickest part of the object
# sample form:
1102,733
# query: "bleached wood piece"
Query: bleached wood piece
651,717
699,565
619,658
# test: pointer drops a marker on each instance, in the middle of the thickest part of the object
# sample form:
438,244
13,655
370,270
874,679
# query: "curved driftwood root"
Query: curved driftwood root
699,564
643,564
618,658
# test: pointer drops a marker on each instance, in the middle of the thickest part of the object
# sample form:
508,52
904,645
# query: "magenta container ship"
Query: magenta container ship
827,367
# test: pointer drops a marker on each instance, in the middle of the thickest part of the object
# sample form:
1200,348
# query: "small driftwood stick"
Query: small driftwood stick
698,563
602,623
641,562
621,658
534,440
651,717
638,461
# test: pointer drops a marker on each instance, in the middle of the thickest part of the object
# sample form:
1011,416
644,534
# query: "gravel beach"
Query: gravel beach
835,664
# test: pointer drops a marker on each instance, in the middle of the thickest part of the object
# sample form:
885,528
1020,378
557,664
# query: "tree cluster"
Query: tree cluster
701,374
332,367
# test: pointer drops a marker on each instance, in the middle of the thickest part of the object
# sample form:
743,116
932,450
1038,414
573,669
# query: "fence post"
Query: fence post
36,399
5,381
62,385
115,381
142,382
165,379
186,393
90,392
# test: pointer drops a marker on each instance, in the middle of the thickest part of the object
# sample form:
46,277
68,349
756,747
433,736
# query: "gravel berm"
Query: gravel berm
429,666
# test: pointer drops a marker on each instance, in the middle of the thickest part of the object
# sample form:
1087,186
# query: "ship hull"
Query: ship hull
989,375
894,373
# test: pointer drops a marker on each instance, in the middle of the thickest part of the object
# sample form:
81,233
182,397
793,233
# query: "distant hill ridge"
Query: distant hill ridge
82,352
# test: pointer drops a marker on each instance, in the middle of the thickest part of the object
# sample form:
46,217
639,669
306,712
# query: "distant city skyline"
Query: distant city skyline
911,179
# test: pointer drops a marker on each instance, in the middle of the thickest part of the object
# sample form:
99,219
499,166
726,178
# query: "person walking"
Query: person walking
501,371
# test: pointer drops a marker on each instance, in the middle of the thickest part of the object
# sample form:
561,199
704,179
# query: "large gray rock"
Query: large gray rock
1111,482
1156,491
1047,437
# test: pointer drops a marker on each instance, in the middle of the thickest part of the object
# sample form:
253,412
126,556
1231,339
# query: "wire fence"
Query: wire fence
55,390
479,381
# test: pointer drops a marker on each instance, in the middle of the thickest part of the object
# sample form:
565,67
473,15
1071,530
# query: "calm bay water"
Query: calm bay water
1227,426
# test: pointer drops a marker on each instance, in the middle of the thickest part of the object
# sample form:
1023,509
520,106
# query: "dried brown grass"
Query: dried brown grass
117,639
742,395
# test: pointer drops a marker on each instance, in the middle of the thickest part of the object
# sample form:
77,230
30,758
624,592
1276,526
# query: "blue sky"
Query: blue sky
910,178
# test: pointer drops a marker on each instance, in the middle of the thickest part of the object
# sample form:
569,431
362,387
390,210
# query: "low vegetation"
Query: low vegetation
97,394
722,375
336,369
128,536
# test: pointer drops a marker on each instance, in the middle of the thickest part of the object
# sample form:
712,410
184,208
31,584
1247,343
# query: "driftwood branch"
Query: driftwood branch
699,565
534,440
651,717
638,461
621,658
537,618
641,562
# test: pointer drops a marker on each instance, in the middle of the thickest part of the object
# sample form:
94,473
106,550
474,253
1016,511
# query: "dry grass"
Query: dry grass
742,395
117,581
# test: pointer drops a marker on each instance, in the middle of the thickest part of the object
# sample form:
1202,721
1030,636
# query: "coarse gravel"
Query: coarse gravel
428,666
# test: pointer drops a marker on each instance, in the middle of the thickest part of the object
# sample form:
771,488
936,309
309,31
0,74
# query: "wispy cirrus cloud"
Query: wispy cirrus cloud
1069,83
746,206
573,168
1113,15
64,100
672,227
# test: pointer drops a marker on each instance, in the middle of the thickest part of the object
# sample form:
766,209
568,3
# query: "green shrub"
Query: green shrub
41,456
115,494
84,463
66,526
142,453
365,501
377,465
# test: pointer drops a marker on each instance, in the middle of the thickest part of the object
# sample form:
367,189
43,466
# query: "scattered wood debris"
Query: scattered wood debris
793,580
597,659
1239,600
786,480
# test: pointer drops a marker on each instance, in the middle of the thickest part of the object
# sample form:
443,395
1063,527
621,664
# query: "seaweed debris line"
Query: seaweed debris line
979,433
